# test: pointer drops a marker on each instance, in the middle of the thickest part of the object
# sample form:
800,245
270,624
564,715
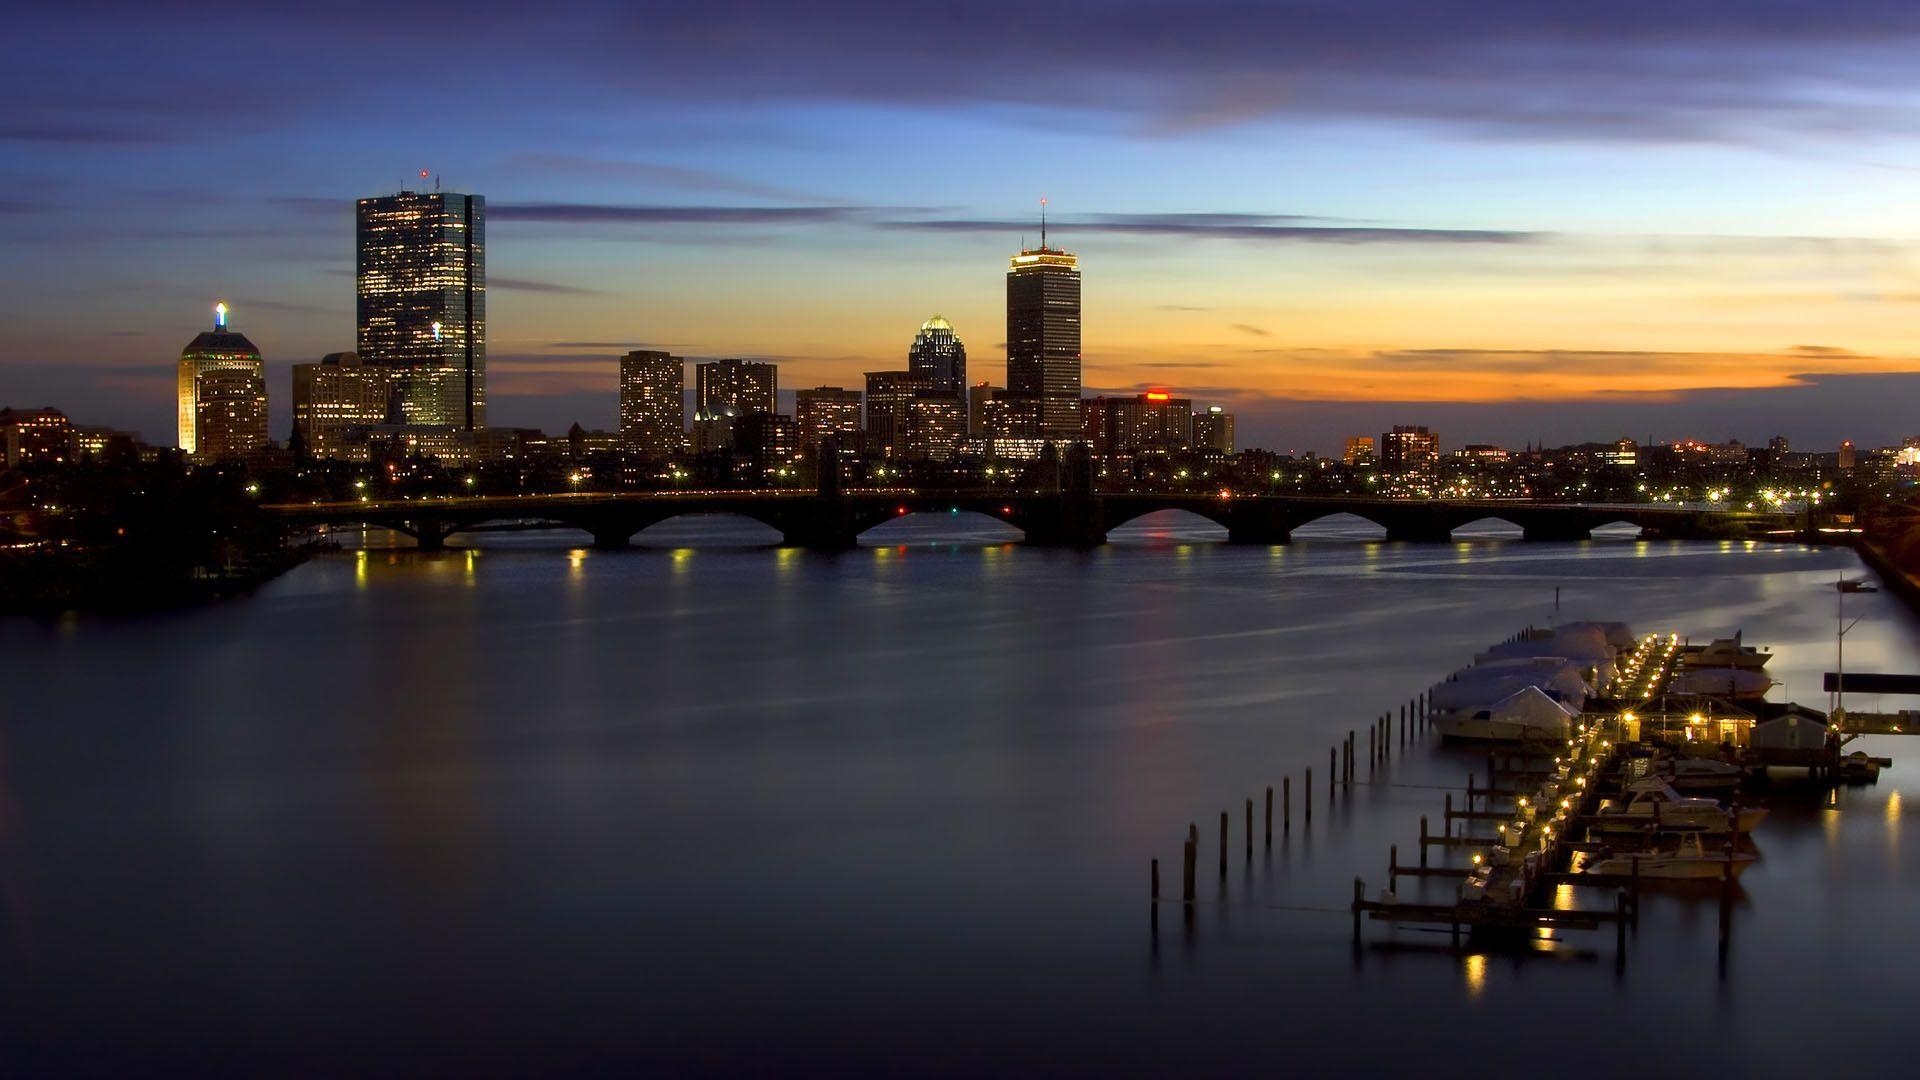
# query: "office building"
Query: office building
1125,427
1213,430
35,436
770,442
939,359
746,386
335,401
712,432
889,402
978,395
1359,450
420,282
240,414
1043,342
1409,448
936,425
827,412
653,405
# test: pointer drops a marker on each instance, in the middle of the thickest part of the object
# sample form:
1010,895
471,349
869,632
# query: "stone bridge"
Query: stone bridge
835,520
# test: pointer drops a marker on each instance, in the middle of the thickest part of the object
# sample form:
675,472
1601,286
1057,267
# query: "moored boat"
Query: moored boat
1691,860
1655,804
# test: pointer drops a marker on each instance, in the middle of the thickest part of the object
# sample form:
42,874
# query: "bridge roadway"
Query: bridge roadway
836,520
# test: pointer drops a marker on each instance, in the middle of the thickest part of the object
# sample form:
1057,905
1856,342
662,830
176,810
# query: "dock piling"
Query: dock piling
1223,845
1423,841
1249,844
1187,868
1393,867
1269,815
1308,801
1286,804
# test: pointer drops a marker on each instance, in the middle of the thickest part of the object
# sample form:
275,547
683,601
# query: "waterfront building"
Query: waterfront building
1043,342
1213,430
420,286
1409,448
241,415
35,436
827,412
1359,450
746,386
336,400
653,405
939,358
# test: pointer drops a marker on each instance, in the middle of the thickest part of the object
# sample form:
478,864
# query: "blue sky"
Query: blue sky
1511,221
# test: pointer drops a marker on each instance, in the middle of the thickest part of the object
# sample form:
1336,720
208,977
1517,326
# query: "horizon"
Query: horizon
1324,247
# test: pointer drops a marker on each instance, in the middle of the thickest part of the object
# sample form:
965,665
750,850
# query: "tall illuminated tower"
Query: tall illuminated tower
222,394
420,280
652,403
939,359
1043,340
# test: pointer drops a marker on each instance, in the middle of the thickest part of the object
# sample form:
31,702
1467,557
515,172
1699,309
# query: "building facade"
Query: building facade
652,403
1213,430
420,284
939,358
1043,342
1125,427
1359,450
1409,448
827,412
237,424
30,436
890,397
335,401
747,386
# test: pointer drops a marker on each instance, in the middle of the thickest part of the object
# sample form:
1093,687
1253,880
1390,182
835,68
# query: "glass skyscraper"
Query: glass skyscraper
421,287
1043,343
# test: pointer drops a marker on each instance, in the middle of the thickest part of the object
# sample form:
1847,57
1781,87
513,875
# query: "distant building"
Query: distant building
31,436
889,403
335,401
1409,449
771,444
1123,427
748,386
1359,450
1847,457
226,363
1007,426
936,426
653,405
1213,430
713,430
420,283
827,412
1043,343
939,359
977,397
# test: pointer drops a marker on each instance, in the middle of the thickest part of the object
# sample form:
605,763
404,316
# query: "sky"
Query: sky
1509,220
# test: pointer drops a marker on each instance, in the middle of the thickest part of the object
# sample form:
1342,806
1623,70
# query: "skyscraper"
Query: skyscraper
421,301
334,397
1043,340
749,386
1409,448
1213,430
240,413
939,359
890,397
828,412
652,403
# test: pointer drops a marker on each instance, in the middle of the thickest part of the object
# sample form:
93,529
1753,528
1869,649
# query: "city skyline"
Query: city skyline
1321,246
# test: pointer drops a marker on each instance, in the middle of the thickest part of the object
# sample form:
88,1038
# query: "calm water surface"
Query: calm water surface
726,807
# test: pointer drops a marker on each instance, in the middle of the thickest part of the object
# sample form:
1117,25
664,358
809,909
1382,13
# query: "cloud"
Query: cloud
512,284
655,174
1228,226
75,134
619,214
1253,330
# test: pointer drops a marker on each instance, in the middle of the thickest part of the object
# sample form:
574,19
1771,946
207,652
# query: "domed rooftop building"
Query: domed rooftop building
938,357
222,362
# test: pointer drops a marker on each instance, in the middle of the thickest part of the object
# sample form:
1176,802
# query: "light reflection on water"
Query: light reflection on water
738,805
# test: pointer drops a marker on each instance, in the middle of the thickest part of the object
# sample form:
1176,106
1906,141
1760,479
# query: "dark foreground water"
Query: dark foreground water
720,809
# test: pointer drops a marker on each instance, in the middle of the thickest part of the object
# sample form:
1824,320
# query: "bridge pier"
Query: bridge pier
1556,532
1065,522
1419,532
612,537
1251,522
430,534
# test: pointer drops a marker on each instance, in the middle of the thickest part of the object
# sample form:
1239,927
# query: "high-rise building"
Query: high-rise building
936,424
337,398
1409,448
420,280
240,414
1359,450
771,444
827,412
938,357
1213,430
36,435
890,397
1153,422
652,403
1043,341
749,386
712,431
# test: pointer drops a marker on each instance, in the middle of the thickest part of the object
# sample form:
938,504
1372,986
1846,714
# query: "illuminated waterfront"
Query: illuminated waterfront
535,804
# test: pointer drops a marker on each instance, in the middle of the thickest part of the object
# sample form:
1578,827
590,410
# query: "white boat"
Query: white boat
1690,861
1655,804
1525,715
1724,653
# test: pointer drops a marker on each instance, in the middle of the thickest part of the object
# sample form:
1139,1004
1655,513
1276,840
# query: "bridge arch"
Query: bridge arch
954,523
1334,523
1146,522
705,528
1493,526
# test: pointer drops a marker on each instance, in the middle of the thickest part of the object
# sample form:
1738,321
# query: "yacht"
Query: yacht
1655,803
1725,653
1690,861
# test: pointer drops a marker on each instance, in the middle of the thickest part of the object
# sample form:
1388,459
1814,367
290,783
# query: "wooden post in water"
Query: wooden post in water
1359,894
1223,845
1423,841
1373,748
1393,867
1249,844
1332,770
1286,804
1269,815
1155,906
1187,868
1307,802
1620,927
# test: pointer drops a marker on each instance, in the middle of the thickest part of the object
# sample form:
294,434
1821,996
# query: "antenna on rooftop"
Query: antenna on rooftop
1043,223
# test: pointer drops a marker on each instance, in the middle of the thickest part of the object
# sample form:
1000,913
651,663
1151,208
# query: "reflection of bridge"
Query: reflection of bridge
836,520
